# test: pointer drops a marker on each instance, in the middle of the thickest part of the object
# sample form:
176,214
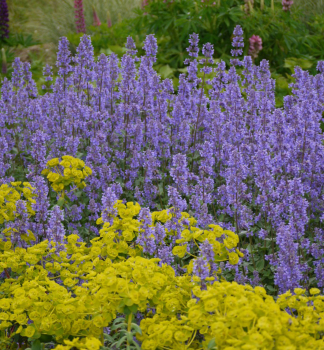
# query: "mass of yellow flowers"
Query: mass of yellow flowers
10,194
72,172
72,291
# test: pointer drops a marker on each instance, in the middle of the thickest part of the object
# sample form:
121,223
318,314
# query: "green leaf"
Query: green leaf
160,186
211,344
166,71
133,308
119,320
137,328
119,343
60,202
37,345
129,337
45,338
119,326
136,345
260,265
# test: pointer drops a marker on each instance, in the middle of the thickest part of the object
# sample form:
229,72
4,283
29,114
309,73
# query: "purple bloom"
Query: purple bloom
108,201
200,268
130,45
165,254
193,49
4,19
146,233
207,251
55,231
238,44
286,4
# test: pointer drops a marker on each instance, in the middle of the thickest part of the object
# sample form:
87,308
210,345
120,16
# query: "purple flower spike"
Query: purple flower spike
193,49
55,231
4,19
238,44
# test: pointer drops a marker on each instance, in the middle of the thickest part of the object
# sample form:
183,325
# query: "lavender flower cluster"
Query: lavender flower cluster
218,147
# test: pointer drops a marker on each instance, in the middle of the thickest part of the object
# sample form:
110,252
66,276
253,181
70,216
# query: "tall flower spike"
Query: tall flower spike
150,46
130,45
63,57
255,46
79,16
96,20
237,41
238,44
193,49
55,230
109,24
4,19
108,201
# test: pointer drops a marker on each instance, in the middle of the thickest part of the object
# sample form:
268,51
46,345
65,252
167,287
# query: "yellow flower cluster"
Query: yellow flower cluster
72,171
93,289
10,194
119,236
88,343
119,245
231,316
221,250
74,291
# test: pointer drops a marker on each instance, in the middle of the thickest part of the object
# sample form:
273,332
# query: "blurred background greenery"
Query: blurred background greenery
289,37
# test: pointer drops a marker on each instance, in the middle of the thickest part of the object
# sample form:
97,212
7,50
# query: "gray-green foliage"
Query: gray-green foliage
123,336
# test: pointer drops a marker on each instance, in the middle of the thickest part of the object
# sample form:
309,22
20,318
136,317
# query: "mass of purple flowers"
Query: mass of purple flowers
216,147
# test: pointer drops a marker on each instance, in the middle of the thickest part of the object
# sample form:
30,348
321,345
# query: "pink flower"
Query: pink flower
109,20
144,3
96,20
79,16
286,4
255,46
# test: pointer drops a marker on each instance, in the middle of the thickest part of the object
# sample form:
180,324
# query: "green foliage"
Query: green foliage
172,23
123,334
48,20
106,39
283,34
19,39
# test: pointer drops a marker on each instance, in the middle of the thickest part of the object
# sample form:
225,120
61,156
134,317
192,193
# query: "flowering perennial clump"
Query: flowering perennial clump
226,314
73,289
51,289
167,192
